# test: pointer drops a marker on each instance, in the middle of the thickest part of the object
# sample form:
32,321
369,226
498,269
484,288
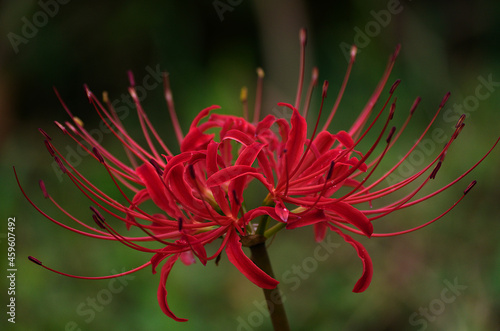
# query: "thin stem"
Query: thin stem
264,221
273,297
274,229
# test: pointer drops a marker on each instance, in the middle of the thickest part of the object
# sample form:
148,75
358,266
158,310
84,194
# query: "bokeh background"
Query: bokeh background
210,54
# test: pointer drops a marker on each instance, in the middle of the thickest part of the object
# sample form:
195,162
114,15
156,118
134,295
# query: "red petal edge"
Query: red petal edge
162,291
352,216
245,265
366,278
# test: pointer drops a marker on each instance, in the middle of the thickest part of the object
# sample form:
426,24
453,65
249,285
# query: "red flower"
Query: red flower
303,175
191,214
200,192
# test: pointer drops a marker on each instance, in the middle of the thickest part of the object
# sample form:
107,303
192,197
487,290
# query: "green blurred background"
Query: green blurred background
446,46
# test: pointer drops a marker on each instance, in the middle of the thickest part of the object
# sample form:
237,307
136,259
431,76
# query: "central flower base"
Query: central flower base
252,240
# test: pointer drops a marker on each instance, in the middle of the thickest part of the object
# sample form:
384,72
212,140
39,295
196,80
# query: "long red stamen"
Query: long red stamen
144,122
36,261
354,50
303,41
171,109
449,184
102,197
415,228
244,102
320,195
370,151
403,183
258,96
312,85
121,135
379,159
365,113
393,140
439,158
112,111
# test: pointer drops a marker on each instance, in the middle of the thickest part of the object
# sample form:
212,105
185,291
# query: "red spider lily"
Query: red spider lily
201,191
307,174
188,220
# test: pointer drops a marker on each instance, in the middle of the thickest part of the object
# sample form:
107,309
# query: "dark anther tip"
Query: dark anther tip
34,260
471,185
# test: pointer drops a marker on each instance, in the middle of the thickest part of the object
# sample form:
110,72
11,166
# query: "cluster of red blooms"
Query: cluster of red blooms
201,190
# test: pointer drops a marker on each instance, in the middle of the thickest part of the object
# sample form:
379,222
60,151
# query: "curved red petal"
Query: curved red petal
265,124
230,173
187,257
320,231
245,265
140,197
162,291
197,248
351,215
154,186
296,140
366,278
344,138
212,168
195,140
201,114
307,218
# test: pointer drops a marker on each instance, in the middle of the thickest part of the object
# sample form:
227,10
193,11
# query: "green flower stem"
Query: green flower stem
264,221
274,229
273,297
